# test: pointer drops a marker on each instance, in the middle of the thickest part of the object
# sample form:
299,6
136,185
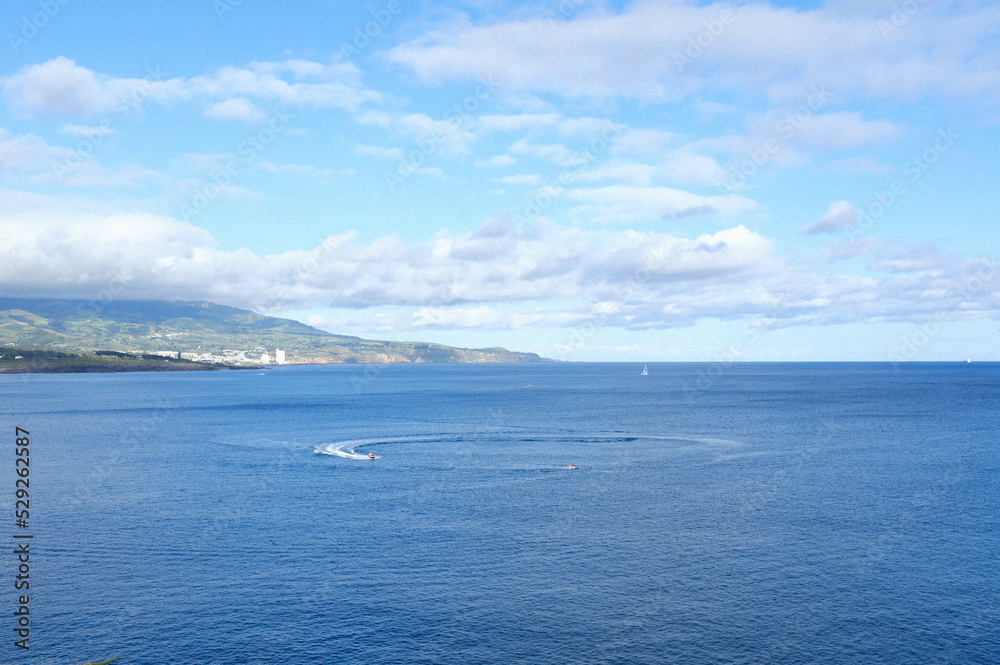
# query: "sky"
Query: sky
601,181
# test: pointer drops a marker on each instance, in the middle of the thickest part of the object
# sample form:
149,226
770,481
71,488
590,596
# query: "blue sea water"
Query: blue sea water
755,513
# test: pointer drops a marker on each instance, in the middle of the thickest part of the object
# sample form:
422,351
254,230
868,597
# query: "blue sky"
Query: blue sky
589,181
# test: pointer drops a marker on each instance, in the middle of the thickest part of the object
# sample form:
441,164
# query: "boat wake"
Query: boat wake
346,454
351,449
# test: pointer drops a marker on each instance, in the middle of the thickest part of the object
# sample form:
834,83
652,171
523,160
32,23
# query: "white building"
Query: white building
279,356
265,359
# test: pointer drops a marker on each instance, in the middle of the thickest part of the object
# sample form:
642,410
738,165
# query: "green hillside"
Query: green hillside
206,331
24,360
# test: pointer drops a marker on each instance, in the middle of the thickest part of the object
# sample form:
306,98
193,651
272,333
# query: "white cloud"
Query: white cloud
588,127
85,130
498,275
61,87
840,215
661,257
642,52
918,257
379,152
532,179
852,248
201,161
496,160
447,138
634,174
847,131
304,170
293,83
585,56
556,153
689,168
155,256
834,131
487,317
865,164
643,141
432,171
81,255
375,118
444,137
27,152
92,174
620,203
240,109
708,110
31,159
519,122
606,307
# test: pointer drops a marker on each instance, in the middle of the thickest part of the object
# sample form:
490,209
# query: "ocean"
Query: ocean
744,513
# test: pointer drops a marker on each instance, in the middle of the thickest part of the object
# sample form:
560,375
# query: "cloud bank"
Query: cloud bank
556,275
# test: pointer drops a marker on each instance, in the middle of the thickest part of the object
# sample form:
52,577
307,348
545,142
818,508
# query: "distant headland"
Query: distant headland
143,335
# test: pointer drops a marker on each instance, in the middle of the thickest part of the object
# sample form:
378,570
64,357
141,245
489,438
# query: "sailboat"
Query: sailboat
645,371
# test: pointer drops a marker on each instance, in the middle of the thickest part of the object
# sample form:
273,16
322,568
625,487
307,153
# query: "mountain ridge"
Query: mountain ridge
210,331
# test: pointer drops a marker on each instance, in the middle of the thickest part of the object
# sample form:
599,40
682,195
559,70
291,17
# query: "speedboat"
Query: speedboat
572,466
372,456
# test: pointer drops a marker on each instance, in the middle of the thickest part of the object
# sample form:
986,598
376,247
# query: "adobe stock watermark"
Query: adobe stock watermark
223,7
564,10
115,284
372,30
767,493
914,169
914,344
35,23
246,153
587,328
309,269
275,297
750,334
538,201
459,115
698,43
902,13
119,451
373,370
784,129
123,107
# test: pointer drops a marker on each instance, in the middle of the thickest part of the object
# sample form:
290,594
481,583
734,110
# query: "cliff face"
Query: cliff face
210,332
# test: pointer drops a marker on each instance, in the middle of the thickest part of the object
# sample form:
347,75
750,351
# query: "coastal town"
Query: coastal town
257,356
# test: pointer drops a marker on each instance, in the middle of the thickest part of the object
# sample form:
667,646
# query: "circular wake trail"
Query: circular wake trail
349,449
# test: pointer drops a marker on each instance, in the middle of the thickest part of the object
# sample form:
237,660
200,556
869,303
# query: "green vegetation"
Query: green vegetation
206,330
24,360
